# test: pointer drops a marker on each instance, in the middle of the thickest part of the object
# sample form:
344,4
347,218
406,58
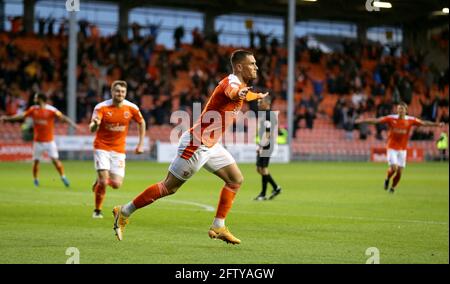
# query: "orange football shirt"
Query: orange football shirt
112,132
43,121
219,113
399,130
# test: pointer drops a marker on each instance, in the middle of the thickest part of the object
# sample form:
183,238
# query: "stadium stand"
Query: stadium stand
348,83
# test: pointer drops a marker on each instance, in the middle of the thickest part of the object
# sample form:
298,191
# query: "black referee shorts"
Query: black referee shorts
262,162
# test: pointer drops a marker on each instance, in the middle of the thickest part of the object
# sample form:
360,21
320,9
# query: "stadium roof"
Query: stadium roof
403,12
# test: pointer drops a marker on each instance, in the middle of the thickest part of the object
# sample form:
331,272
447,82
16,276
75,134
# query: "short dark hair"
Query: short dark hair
238,55
41,96
120,83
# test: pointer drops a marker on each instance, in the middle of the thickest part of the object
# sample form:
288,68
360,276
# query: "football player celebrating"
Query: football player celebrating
198,147
400,125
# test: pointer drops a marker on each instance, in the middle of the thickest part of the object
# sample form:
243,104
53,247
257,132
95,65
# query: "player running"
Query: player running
198,147
43,116
110,121
400,126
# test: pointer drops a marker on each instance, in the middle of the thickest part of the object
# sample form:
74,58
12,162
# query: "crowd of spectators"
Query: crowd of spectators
152,71
396,77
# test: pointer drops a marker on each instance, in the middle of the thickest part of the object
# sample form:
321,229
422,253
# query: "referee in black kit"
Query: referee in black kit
266,140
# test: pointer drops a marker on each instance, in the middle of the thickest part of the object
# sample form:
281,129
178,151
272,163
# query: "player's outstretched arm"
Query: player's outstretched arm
17,117
368,120
235,93
431,123
95,123
251,96
66,119
140,146
244,94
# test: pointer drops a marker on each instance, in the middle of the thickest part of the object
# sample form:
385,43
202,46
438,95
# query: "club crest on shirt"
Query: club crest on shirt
126,114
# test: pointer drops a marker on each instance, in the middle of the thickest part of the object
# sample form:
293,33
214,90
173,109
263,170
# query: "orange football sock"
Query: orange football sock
226,199
99,193
150,195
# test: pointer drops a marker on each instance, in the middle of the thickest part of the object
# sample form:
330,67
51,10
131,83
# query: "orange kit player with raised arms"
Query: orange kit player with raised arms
198,147
400,126
110,120
43,116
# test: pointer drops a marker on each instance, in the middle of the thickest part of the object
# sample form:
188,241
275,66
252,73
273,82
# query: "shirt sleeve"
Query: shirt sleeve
417,122
137,116
57,113
386,119
28,112
231,90
98,113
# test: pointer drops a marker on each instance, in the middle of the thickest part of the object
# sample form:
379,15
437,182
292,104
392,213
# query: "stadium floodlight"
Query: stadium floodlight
380,4
443,12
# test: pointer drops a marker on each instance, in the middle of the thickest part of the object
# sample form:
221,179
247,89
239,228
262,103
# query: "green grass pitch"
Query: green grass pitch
327,213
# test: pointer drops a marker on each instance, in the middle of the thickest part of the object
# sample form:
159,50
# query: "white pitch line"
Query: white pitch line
45,202
385,220
431,222
204,206
211,209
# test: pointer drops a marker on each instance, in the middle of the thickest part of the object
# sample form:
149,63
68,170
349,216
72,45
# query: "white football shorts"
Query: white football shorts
111,161
396,157
39,148
212,159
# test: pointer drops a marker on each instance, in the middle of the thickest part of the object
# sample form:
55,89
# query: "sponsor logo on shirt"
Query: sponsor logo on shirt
40,121
400,131
115,127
